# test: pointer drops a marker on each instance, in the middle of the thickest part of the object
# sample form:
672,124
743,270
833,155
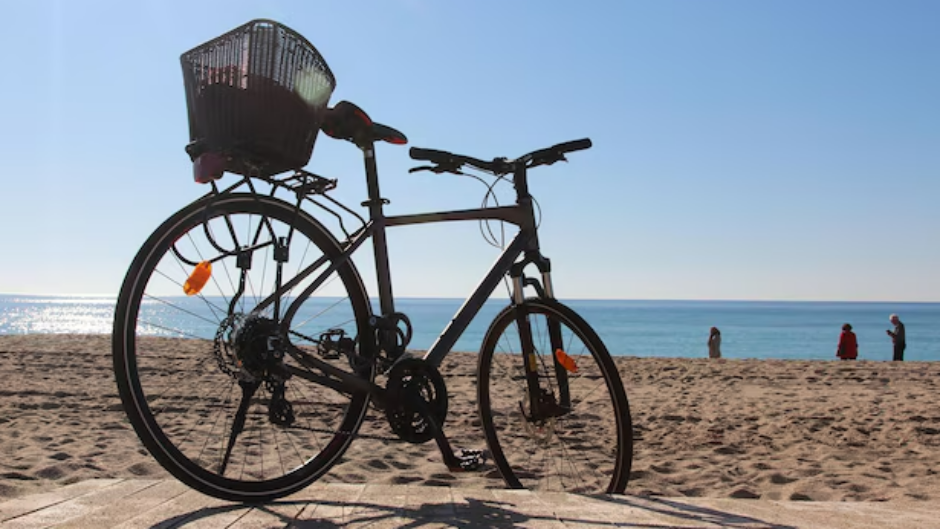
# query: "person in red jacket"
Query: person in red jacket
848,344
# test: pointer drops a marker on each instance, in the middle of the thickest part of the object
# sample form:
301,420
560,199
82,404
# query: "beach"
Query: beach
769,429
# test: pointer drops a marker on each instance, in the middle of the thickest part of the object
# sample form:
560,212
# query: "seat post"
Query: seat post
375,201
377,216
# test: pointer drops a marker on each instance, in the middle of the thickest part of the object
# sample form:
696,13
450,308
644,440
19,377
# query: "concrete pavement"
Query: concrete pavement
117,503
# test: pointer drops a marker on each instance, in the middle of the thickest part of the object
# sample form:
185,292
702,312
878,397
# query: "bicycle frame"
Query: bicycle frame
525,243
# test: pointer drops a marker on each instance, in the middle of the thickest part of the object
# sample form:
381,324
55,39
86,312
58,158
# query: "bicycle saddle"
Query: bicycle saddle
346,121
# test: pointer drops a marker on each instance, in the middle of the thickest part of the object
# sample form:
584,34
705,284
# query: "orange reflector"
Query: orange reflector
566,361
198,278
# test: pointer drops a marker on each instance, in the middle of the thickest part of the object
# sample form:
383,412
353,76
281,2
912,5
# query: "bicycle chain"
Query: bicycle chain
227,361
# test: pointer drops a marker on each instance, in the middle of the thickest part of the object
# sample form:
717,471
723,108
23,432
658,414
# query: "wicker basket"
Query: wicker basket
256,95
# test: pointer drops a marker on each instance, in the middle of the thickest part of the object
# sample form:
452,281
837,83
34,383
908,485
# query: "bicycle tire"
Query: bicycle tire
140,359
518,446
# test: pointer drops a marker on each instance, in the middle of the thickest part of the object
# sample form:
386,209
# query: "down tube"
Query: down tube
469,309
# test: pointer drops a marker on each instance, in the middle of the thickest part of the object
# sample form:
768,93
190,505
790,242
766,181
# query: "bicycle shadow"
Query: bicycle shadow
678,509
469,513
475,513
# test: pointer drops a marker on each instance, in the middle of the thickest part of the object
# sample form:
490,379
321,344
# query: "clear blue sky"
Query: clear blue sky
742,149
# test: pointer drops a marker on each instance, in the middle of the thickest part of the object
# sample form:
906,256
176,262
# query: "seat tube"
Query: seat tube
379,242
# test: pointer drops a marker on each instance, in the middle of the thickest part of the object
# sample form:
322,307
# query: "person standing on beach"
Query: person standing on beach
714,343
898,336
848,344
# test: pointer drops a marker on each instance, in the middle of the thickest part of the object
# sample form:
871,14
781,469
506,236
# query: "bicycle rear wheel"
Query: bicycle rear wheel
204,378
586,444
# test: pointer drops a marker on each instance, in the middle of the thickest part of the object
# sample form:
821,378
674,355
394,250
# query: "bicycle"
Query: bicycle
254,384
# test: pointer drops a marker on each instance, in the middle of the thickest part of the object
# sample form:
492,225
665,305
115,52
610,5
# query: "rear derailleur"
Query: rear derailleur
416,407
250,350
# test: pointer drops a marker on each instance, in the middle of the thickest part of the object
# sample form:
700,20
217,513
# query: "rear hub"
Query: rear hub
249,347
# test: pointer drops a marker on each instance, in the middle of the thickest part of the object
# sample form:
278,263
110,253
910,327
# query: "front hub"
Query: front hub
540,424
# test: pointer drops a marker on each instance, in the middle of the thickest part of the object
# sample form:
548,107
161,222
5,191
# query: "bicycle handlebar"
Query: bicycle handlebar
451,163
576,145
429,155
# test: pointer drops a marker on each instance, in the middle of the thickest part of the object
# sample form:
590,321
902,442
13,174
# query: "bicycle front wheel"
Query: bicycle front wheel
206,378
581,440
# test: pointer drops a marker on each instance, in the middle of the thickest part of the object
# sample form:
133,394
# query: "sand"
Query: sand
771,429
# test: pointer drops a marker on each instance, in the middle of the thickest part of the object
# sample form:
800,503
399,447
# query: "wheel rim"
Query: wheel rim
184,360
584,451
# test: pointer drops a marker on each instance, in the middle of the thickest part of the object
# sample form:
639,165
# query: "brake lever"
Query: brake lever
551,161
437,169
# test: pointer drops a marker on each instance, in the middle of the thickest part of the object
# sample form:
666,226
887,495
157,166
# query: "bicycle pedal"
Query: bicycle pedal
469,460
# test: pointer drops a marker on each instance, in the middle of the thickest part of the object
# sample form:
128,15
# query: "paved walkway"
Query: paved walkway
107,503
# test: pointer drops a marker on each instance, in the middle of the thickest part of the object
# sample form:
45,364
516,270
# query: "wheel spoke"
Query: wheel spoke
553,448
179,359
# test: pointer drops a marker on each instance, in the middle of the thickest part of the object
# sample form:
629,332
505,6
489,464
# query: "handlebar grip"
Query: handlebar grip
571,146
429,155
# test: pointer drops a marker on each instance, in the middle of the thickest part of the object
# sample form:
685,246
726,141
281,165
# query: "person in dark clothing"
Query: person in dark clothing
714,343
848,344
898,337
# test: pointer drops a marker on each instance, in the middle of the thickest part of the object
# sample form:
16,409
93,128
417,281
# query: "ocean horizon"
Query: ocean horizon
785,329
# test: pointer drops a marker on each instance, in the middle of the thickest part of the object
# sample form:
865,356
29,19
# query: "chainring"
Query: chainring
413,382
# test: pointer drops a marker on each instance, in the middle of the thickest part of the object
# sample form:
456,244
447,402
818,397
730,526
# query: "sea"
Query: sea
749,329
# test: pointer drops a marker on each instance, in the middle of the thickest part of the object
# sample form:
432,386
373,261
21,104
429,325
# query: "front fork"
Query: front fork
546,398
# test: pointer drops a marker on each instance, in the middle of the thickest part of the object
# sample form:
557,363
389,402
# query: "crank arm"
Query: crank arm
467,460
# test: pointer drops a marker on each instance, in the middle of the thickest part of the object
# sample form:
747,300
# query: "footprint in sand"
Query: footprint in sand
745,493
780,479
401,465
146,468
18,476
377,464
55,471
666,468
